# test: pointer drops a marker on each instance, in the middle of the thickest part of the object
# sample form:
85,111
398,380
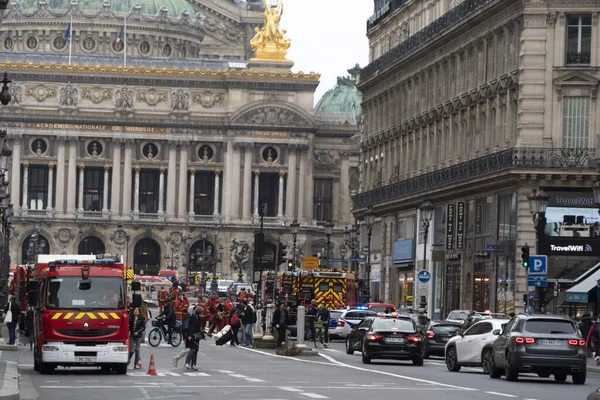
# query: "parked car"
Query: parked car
468,348
459,316
438,334
348,320
387,338
541,344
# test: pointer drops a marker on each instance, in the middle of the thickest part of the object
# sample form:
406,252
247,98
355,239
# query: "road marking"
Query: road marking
254,380
289,389
245,386
436,363
224,371
501,394
237,375
313,395
333,350
196,374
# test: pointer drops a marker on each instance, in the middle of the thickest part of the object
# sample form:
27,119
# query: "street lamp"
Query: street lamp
538,201
295,227
328,231
5,96
369,221
351,240
6,212
426,210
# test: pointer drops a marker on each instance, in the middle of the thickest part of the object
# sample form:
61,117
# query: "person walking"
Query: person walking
248,320
137,325
281,320
11,323
194,334
29,325
185,326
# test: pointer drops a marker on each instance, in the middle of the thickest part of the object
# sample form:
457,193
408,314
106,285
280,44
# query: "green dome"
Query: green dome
344,97
150,7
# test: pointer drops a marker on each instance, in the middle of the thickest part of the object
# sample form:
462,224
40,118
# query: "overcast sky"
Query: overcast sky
328,37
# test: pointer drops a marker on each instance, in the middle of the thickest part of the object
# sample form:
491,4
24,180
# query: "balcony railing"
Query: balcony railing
92,214
578,58
431,31
148,216
515,158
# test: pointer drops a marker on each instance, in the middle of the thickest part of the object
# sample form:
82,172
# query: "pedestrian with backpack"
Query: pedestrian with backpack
234,321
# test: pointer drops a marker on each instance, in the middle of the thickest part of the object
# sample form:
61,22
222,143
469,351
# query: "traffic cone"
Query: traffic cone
152,367
140,366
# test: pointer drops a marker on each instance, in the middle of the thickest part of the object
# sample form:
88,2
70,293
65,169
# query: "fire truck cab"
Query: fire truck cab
81,314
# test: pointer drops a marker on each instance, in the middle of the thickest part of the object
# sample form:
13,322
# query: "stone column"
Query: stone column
72,179
50,189
183,175
290,196
105,193
227,182
136,194
15,180
235,184
192,194
302,186
80,194
25,184
171,180
309,185
247,186
280,196
161,193
216,211
345,201
127,180
256,183
115,193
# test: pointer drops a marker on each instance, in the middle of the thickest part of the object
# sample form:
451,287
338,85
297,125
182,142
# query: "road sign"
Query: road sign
336,259
358,259
365,250
310,262
424,276
537,280
537,265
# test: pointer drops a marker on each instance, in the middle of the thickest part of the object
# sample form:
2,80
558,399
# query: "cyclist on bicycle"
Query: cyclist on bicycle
311,314
324,316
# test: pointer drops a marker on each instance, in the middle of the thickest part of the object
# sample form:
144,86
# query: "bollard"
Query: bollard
300,326
269,335
257,327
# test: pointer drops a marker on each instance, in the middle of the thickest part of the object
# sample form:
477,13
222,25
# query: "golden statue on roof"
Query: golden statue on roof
269,42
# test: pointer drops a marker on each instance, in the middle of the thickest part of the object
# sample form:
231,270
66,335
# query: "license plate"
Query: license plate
394,340
547,342
86,360
444,339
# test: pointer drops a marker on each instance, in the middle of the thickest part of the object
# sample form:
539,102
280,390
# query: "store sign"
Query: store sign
569,246
578,199
460,225
450,227
403,250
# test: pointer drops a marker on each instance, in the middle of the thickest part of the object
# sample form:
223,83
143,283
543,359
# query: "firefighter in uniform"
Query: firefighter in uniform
216,311
162,298
179,309
185,303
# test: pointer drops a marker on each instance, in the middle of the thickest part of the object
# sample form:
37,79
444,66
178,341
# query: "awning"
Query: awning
403,264
579,292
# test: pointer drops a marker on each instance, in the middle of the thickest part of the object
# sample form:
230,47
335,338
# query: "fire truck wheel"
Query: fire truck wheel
121,369
46,368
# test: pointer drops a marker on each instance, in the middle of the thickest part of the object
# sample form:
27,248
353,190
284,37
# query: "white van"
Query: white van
222,287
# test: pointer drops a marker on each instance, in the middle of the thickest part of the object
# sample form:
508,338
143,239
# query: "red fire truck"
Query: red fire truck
22,276
81,312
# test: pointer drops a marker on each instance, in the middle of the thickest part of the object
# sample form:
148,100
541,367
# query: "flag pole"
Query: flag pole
125,41
70,38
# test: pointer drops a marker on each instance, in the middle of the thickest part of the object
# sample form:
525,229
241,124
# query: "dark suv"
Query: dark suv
541,344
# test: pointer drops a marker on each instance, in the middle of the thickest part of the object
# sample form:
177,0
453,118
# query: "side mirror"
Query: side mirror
496,332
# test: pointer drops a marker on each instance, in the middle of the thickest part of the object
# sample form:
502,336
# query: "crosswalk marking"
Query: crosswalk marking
196,374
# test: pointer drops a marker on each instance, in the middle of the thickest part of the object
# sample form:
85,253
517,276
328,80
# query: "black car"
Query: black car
438,334
387,338
540,344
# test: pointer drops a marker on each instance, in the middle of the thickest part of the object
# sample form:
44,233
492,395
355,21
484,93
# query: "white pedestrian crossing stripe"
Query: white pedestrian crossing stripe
196,374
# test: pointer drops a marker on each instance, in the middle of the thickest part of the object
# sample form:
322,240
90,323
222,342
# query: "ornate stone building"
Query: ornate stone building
151,116
472,105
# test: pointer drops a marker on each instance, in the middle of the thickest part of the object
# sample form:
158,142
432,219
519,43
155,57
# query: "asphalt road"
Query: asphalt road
260,375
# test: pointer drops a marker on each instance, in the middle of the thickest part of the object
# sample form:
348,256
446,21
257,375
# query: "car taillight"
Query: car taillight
521,340
574,342
341,324
414,339
430,334
374,338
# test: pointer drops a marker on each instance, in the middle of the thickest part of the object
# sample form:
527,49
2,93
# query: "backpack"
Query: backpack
186,322
235,320
253,316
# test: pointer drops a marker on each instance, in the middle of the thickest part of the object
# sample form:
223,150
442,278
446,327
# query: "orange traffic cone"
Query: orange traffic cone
152,367
140,366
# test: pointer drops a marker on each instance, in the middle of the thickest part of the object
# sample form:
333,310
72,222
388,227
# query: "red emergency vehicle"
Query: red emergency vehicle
22,276
81,313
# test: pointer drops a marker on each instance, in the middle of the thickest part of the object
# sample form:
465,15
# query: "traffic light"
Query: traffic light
525,256
524,299
283,254
290,266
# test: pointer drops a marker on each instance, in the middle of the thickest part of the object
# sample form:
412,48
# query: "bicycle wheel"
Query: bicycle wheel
317,339
154,337
177,338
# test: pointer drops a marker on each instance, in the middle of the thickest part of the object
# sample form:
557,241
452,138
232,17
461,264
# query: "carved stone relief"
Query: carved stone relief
124,99
69,96
180,100
96,94
152,97
324,161
208,99
16,94
239,251
272,115
40,92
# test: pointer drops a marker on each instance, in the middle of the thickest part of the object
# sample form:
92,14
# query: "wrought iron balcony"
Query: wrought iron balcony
382,12
515,158
578,58
431,31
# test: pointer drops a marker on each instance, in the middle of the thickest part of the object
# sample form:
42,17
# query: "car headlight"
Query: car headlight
120,348
50,348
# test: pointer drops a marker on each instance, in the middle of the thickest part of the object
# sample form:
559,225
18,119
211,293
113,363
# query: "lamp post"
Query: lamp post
122,233
351,240
295,227
369,221
328,231
426,209
538,201
6,212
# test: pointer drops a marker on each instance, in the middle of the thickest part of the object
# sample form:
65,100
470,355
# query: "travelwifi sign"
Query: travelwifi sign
572,247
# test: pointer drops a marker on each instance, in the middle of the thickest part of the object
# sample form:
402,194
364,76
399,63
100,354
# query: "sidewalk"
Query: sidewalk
9,384
593,366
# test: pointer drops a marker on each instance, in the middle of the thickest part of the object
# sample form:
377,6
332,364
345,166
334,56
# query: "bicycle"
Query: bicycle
156,335
319,335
